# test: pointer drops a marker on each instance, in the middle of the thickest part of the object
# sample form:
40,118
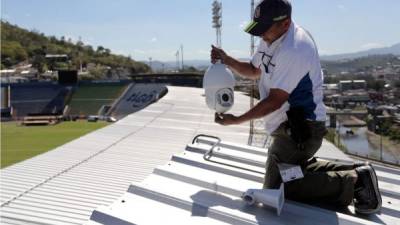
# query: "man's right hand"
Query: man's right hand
217,54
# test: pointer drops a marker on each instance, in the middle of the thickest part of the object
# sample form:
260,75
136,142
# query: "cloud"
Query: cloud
149,51
203,52
5,16
88,40
153,39
237,52
72,38
139,51
243,24
323,52
372,45
341,7
119,52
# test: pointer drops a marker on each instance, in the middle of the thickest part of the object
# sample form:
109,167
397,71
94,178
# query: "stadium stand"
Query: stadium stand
89,97
135,98
38,99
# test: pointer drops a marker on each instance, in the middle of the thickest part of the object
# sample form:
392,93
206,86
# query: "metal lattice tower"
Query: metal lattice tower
257,135
217,20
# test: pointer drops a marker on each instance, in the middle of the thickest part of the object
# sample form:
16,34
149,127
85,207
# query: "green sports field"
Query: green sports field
22,142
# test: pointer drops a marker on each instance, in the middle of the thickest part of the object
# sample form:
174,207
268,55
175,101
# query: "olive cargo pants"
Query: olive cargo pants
323,181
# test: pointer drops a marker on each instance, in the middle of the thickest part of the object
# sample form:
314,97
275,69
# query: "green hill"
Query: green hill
363,64
20,45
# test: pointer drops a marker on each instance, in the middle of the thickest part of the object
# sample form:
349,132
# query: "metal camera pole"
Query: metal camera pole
253,83
217,20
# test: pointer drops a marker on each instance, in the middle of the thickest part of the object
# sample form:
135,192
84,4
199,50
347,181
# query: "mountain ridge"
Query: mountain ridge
394,49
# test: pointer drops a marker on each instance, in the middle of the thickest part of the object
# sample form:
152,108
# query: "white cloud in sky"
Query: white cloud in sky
203,52
71,37
238,53
323,52
5,16
243,24
139,51
119,52
371,45
341,7
153,39
88,40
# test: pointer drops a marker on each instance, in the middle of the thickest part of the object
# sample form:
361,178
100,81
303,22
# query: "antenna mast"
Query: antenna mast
217,20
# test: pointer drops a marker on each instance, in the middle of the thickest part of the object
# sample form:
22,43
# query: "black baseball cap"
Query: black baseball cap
266,13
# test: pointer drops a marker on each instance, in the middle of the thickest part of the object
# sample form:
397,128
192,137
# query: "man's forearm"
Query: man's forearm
243,68
262,109
273,102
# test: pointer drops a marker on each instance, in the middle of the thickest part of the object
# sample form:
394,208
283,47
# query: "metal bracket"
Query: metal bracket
209,153
207,156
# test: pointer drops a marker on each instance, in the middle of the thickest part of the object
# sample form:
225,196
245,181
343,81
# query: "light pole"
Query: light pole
182,56
151,69
380,134
177,60
338,135
378,129
217,20
254,83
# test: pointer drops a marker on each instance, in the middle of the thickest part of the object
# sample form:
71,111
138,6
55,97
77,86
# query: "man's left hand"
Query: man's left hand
226,119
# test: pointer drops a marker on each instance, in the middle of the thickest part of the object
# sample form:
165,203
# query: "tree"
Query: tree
378,85
39,62
12,52
18,45
100,49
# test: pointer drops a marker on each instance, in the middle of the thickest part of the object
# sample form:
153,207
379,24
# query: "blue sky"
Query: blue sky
156,28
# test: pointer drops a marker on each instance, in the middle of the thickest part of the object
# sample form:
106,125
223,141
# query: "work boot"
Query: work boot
366,191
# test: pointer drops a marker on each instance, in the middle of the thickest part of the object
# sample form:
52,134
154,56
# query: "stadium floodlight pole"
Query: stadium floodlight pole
150,62
177,60
251,36
253,85
182,56
217,20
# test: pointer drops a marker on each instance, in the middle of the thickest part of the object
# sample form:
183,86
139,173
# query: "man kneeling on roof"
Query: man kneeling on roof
288,67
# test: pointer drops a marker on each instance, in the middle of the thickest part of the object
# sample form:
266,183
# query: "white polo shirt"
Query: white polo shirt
291,63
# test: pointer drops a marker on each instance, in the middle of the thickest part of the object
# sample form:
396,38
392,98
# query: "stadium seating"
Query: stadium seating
89,98
38,98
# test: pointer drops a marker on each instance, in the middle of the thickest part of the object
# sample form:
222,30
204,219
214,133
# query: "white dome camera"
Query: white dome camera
218,83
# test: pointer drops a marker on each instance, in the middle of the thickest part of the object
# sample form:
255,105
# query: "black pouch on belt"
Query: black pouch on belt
300,130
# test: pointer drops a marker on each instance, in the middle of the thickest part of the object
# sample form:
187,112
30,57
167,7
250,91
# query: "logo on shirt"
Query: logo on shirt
266,61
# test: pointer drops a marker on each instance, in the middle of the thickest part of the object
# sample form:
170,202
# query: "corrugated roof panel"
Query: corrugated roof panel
95,169
63,186
211,191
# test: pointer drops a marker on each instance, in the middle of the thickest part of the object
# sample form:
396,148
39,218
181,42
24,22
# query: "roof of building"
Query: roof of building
94,172
192,190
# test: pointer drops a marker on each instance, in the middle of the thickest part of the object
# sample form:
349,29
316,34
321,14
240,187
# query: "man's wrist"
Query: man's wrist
240,119
227,60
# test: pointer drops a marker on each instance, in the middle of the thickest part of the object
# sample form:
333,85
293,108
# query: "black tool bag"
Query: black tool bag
300,130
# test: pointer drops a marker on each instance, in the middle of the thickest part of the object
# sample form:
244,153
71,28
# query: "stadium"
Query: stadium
145,134
64,106
90,136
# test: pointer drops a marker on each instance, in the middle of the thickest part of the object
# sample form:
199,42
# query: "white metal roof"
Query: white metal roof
191,190
65,185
